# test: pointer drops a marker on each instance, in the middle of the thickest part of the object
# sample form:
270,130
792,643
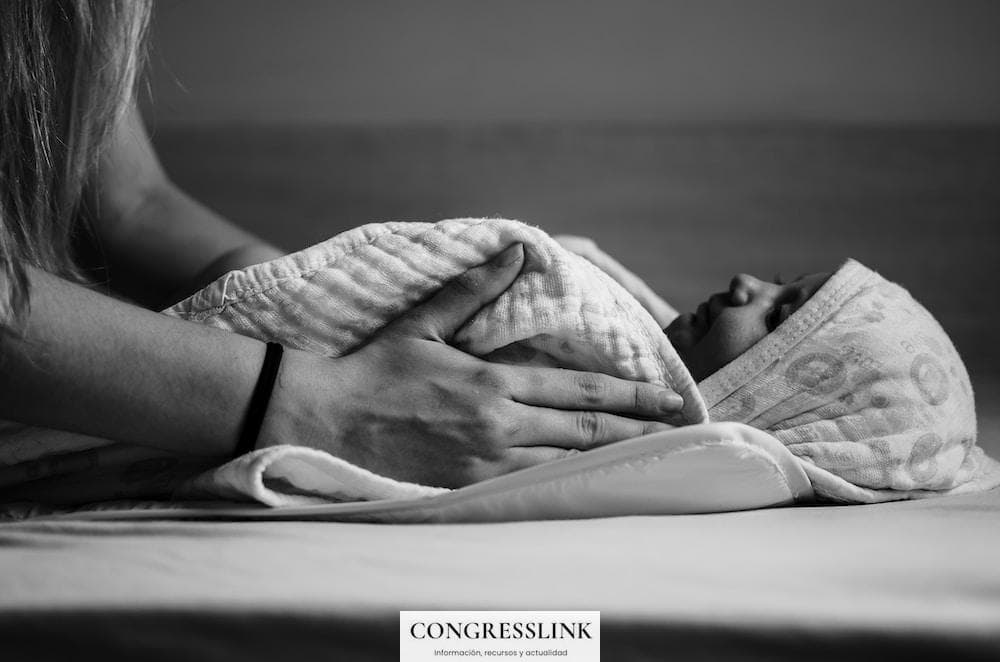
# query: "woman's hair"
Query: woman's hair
67,72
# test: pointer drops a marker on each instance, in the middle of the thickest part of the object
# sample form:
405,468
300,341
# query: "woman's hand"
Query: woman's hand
409,406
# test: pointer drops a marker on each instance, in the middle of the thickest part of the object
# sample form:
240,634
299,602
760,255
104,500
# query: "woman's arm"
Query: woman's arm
406,404
160,243
94,365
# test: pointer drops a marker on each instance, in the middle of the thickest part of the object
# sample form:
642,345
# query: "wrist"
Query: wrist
259,400
303,402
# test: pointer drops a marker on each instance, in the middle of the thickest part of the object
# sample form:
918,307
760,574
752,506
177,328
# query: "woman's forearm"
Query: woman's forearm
171,246
162,244
94,365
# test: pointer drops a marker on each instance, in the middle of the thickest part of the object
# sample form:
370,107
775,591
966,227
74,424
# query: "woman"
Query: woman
75,159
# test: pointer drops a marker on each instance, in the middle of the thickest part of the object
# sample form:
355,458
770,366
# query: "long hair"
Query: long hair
68,69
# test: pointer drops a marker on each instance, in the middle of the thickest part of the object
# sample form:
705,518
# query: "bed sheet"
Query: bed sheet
907,578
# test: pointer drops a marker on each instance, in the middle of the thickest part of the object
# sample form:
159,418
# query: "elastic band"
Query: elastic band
260,399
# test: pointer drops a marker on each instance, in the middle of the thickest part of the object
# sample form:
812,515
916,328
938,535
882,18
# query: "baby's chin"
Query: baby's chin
683,332
683,335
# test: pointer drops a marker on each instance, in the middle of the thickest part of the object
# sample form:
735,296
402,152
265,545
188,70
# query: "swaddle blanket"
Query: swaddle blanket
866,389
561,311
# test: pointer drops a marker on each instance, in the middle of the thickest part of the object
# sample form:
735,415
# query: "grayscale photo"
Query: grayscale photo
556,330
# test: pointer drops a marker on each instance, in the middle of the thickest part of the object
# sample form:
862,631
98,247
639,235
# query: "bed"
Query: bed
906,580
915,579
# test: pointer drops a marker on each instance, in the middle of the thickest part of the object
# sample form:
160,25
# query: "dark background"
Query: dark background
691,139
358,61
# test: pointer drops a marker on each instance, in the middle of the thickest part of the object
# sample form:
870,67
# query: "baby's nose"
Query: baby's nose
741,287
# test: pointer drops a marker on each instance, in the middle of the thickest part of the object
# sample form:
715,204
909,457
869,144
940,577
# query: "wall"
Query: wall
307,61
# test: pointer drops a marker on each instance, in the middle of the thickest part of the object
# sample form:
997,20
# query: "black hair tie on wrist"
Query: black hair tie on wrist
260,399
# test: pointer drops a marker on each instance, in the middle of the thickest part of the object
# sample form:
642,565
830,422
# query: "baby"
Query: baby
730,323
849,372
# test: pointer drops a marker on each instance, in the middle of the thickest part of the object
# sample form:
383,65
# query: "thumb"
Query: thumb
461,298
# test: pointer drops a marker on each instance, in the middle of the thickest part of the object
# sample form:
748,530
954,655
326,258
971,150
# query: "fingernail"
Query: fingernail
509,256
670,401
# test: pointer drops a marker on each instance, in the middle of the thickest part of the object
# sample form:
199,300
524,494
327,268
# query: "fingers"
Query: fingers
579,430
573,389
462,297
547,435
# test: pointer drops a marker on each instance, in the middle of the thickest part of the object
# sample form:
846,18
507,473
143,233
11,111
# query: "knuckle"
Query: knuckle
467,284
512,428
592,389
591,425
492,429
537,379
488,377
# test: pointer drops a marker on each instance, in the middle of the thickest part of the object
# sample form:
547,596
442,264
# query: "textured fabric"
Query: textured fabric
562,311
661,311
298,476
865,387
708,468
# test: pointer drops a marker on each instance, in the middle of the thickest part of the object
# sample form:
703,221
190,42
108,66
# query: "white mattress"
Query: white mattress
908,578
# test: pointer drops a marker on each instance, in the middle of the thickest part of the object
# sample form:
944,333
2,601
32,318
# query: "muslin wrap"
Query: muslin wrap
863,386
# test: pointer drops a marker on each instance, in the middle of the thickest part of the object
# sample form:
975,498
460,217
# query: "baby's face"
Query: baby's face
732,322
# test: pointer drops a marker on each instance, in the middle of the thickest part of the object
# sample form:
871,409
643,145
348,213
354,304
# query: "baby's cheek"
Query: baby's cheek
728,339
